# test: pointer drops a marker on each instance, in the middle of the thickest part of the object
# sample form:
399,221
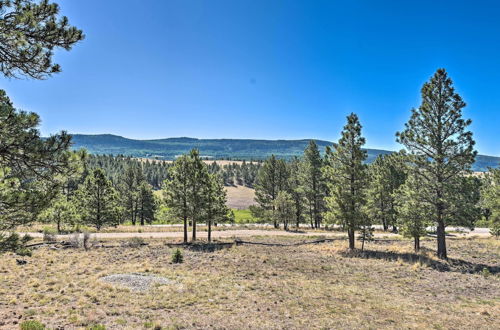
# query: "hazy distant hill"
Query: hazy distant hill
218,148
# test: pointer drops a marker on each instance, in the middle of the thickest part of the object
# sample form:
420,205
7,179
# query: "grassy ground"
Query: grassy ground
243,216
253,286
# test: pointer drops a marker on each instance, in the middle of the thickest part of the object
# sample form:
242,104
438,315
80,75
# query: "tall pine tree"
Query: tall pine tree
347,179
443,149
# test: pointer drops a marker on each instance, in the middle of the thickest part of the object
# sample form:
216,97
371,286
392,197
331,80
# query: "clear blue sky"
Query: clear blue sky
267,69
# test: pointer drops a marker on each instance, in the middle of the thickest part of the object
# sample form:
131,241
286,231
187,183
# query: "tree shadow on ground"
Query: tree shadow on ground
204,246
450,265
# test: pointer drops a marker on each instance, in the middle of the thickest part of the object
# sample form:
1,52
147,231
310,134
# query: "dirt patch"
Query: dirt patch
137,282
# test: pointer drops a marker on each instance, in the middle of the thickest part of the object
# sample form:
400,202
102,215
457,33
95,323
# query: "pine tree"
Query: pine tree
296,190
147,204
29,33
215,209
347,179
284,208
387,173
198,180
271,179
313,183
414,209
30,167
176,190
98,201
443,149
491,199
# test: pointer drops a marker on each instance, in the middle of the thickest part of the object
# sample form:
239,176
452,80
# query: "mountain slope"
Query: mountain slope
218,148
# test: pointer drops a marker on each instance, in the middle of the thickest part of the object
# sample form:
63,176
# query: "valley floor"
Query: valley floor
258,286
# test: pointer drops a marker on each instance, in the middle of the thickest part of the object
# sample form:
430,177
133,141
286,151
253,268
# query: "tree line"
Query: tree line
429,182
156,171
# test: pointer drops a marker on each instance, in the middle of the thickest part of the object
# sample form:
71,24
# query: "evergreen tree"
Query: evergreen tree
177,190
284,208
198,180
272,178
313,183
130,185
98,201
63,212
437,136
387,173
296,190
414,209
346,179
147,204
491,199
30,167
215,205
29,33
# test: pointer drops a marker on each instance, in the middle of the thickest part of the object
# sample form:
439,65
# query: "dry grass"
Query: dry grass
240,197
248,286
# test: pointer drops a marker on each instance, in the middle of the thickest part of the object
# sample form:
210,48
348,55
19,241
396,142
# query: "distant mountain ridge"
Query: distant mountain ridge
247,149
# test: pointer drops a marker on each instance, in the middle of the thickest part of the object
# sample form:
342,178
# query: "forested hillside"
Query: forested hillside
220,148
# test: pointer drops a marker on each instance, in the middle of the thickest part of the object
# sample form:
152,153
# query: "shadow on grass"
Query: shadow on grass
450,265
203,246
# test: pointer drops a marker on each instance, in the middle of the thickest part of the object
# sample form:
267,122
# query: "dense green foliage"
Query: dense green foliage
98,201
194,194
491,200
29,33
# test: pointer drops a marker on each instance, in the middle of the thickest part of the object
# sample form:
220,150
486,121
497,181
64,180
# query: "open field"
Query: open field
240,197
254,286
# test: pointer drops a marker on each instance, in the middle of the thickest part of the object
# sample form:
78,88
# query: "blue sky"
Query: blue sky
266,69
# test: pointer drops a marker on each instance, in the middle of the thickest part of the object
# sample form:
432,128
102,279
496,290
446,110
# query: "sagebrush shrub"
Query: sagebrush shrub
136,242
49,235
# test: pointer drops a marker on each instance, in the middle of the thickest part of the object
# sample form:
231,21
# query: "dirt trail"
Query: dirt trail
239,233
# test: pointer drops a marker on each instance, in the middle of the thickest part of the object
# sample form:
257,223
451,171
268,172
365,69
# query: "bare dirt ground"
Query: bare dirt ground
313,286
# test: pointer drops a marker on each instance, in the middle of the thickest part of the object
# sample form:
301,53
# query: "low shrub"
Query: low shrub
49,234
96,327
31,325
177,257
136,242
24,252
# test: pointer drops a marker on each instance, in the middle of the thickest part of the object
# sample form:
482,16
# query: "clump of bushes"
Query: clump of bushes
32,325
177,257
136,242
15,243
49,234
82,240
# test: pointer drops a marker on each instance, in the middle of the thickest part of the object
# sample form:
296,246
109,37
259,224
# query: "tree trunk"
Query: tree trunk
185,229
441,240
194,230
351,238
417,243
210,230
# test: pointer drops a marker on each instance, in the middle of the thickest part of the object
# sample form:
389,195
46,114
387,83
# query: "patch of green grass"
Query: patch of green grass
244,216
32,325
